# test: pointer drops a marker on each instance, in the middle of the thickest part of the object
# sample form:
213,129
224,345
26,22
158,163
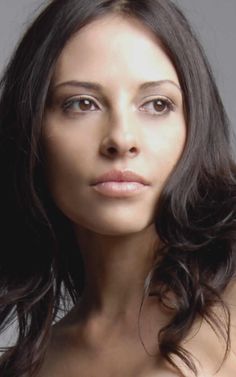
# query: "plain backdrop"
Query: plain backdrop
213,20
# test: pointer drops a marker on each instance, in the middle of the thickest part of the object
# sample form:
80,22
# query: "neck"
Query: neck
116,268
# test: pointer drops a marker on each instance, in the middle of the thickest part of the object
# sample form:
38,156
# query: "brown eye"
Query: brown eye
79,105
158,106
85,104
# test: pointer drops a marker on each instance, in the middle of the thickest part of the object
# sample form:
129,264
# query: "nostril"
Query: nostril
112,150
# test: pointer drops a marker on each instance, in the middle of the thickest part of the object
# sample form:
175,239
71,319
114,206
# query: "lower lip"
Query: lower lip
120,189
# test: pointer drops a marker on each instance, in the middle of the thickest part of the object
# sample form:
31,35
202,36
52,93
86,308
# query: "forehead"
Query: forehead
114,48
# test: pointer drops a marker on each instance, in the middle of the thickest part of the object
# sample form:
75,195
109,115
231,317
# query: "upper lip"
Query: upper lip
120,176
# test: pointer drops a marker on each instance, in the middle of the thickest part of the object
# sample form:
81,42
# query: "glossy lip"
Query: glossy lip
120,176
120,184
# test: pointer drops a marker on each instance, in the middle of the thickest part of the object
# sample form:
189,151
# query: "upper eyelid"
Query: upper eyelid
167,99
82,96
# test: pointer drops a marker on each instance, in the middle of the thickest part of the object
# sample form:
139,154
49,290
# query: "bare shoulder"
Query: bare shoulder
62,361
59,362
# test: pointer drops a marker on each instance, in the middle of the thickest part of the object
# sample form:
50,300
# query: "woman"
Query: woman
118,192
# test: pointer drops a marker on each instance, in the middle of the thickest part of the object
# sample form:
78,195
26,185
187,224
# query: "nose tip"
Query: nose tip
112,147
121,137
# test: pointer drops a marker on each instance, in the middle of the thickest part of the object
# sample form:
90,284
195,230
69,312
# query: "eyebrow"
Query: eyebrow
97,87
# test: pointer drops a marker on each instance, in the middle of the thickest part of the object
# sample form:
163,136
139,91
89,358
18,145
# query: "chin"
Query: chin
115,227
114,222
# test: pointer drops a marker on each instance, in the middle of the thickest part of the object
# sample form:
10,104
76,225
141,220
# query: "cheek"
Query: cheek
65,152
166,144
64,171
59,166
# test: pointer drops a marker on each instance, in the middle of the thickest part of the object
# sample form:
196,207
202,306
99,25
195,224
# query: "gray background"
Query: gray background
213,20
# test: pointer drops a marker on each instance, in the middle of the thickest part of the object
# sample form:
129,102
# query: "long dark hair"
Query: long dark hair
40,264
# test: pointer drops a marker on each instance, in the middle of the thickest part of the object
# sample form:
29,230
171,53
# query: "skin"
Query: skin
116,235
120,128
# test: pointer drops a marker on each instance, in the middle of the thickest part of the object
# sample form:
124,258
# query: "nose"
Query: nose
121,138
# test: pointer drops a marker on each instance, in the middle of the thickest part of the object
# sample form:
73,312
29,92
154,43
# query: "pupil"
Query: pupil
84,104
160,105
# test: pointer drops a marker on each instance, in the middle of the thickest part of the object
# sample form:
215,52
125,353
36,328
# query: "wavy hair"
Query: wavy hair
40,264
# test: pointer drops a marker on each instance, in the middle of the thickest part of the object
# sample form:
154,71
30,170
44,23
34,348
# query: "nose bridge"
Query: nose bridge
121,108
122,120
121,134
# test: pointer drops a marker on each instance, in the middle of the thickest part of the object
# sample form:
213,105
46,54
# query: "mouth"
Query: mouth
120,183
120,189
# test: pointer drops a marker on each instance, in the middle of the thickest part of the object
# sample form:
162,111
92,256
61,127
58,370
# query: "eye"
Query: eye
158,106
79,105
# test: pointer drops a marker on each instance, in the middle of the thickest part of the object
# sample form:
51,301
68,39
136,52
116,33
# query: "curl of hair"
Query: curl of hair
40,264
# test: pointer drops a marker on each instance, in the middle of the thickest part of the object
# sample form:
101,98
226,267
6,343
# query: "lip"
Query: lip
117,183
120,176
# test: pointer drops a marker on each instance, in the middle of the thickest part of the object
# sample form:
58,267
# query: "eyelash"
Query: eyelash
169,105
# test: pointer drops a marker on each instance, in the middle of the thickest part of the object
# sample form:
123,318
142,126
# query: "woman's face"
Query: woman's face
120,121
